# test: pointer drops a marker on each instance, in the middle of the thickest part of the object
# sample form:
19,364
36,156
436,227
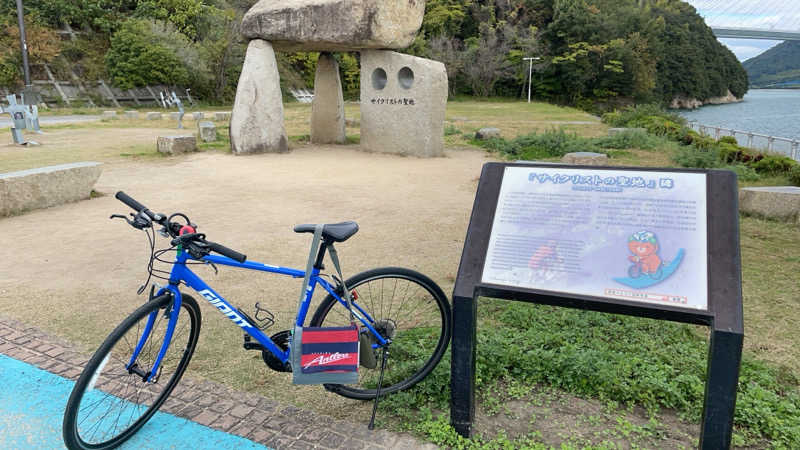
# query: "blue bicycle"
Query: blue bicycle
136,368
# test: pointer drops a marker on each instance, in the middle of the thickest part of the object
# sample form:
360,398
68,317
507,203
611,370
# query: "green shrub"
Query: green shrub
743,173
728,152
794,175
450,130
638,115
696,158
630,139
728,140
550,144
774,164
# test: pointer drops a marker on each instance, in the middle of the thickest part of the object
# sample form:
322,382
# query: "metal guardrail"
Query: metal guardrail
786,146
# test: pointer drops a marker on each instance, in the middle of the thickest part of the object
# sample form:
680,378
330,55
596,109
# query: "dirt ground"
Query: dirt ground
72,271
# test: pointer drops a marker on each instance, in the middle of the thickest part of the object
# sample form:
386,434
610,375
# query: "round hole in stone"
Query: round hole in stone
378,79
406,77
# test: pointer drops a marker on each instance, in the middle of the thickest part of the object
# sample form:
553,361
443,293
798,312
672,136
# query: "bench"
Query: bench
44,187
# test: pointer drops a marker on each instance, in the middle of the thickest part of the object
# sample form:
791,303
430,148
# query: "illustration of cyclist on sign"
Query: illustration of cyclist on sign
647,268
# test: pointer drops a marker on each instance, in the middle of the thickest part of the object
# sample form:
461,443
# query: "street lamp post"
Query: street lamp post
29,96
530,72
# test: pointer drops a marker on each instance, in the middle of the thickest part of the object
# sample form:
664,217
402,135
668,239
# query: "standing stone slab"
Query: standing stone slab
403,100
131,114
257,121
198,115
585,158
153,116
327,109
207,131
775,202
109,114
46,186
334,25
173,145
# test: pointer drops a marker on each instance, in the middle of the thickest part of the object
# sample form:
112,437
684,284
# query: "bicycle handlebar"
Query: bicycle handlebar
225,251
133,204
160,218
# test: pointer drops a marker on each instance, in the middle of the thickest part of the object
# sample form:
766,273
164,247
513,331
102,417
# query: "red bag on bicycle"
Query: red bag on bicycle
322,355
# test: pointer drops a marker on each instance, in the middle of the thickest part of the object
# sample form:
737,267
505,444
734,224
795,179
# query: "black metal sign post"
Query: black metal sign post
723,313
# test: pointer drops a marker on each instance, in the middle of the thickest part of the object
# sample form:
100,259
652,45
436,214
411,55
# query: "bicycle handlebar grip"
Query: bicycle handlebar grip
133,204
225,251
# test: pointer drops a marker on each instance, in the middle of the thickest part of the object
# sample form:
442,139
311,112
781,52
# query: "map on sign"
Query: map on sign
632,235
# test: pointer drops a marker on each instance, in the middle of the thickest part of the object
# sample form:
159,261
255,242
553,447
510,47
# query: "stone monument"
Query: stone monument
367,26
403,101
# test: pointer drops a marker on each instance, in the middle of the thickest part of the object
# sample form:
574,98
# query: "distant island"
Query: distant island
778,67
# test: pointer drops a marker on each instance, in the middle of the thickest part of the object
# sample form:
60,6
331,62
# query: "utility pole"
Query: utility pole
530,71
29,95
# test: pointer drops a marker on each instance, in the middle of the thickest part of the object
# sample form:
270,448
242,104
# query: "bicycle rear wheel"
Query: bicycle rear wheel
407,307
109,403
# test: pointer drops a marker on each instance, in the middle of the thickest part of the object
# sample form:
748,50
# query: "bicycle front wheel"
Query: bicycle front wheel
406,307
110,401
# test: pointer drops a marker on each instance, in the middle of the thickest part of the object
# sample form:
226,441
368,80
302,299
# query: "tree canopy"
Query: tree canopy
592,52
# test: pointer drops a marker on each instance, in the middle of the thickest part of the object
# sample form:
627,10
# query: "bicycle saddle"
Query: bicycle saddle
337,232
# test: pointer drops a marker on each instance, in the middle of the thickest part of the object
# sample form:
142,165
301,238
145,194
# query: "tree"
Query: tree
138,57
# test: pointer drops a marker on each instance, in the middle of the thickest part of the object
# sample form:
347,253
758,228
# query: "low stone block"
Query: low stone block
153,116
774,202
487,133
585,159
613,131
109,114
198,115
175,115
207,131
403,100
221,116
44,187
173,145
334,25
132,114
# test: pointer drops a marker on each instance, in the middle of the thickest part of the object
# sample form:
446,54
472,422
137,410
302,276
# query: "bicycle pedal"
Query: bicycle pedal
249,344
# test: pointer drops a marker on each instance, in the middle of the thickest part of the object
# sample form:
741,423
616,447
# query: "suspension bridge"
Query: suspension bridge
751,19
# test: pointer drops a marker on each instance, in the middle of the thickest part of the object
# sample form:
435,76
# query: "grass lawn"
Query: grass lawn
546,376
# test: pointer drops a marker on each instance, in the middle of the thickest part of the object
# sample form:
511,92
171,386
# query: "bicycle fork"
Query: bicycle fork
151,376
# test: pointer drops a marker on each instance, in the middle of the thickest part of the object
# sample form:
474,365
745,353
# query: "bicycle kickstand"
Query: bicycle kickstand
371,425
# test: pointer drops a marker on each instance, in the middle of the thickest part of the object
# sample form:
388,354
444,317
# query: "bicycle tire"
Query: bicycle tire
106,381
415,351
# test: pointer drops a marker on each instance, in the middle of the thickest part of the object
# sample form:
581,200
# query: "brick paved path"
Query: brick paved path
214,405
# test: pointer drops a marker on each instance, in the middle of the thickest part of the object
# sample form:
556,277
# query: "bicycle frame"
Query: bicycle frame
181,273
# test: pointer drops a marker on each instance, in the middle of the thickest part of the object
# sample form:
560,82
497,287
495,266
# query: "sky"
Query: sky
783,15
745,49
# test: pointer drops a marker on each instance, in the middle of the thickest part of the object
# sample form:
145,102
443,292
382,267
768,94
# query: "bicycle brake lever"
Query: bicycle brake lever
120,216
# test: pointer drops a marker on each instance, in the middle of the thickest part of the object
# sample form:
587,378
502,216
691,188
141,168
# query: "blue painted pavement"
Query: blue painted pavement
32,405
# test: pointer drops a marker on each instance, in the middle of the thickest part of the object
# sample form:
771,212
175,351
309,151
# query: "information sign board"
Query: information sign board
658,243
638,236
